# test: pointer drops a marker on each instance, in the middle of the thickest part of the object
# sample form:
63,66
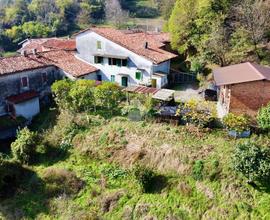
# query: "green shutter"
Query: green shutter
138,75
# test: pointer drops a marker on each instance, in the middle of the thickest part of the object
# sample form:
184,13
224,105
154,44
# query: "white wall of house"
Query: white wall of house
86,44
27,109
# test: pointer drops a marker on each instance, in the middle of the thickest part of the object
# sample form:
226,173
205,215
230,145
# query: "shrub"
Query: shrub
59,181
108,95
61,91
197,170
237,123
24,147
145,176
199,113
263,117
252,161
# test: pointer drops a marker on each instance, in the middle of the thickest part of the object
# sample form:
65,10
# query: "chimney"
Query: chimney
146,45
24,53
34,51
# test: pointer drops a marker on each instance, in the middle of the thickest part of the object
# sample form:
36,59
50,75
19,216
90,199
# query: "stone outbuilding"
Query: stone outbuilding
242,88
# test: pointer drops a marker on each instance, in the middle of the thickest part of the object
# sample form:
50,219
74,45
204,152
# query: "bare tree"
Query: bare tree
255,18
114,12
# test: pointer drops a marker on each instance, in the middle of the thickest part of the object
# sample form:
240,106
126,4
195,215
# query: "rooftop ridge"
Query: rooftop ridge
256,70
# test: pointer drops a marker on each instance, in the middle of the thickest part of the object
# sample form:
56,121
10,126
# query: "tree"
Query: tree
114,12
252,161
24,147
255,18
108,95
61,91
82,95
181,24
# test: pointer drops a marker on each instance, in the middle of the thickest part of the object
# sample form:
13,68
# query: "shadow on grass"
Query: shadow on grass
23,195
45,119
51,155
158,183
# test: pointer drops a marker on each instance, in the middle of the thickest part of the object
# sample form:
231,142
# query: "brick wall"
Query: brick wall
249,97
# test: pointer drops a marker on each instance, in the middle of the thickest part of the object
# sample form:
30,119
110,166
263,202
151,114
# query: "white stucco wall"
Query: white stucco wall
86,44
28,109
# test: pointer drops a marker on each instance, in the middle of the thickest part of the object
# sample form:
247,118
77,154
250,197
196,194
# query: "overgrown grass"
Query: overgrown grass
103,153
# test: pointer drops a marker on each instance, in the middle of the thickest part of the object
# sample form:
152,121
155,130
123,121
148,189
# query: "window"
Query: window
99,60
112,78
124,62
138,75
117,62
99,45
44,78
24,81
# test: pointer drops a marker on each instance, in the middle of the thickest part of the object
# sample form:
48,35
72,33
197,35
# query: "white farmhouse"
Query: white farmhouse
126,57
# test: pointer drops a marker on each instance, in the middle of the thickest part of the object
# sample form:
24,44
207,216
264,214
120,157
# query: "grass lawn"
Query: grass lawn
104,152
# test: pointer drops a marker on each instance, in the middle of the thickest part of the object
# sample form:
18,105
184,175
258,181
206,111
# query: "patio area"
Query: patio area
185,92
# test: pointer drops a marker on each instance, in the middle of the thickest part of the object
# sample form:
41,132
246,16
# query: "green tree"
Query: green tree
61,90
24,146
252,161
108,95
82,95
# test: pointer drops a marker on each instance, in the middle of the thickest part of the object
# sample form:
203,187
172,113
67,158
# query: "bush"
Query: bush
61,181
145,176
24,147
252,161
237,123
201,114
197,170
263,118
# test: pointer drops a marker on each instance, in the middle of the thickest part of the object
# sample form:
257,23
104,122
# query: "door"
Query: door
99,77
154,83
124,81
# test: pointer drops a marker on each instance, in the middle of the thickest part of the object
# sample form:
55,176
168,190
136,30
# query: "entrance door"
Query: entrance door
99,77
154,83
124,81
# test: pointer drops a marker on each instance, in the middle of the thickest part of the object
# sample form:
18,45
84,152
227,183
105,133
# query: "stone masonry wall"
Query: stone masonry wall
249,97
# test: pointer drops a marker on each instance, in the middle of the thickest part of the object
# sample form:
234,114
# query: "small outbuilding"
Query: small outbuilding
242,88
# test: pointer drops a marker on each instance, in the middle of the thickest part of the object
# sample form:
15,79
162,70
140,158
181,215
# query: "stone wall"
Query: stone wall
249,97
11,84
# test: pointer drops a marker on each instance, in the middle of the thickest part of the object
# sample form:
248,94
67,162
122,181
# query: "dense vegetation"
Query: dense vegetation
221,32
21,19
92,163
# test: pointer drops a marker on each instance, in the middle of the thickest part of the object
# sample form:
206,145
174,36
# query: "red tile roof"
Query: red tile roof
22,97
20,63
64,60
240,73
47,44
135,42
141,89
67,61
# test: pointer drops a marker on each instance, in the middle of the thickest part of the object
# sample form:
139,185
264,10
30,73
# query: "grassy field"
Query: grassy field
102,153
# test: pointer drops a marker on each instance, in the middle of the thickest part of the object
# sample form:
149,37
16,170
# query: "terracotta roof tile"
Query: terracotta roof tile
62,59
135,42
47,44
20,63
68,62
240,73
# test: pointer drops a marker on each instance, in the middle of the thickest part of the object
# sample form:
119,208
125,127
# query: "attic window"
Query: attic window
99,45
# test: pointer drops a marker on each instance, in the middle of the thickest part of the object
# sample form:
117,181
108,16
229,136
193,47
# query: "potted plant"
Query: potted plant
238,126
